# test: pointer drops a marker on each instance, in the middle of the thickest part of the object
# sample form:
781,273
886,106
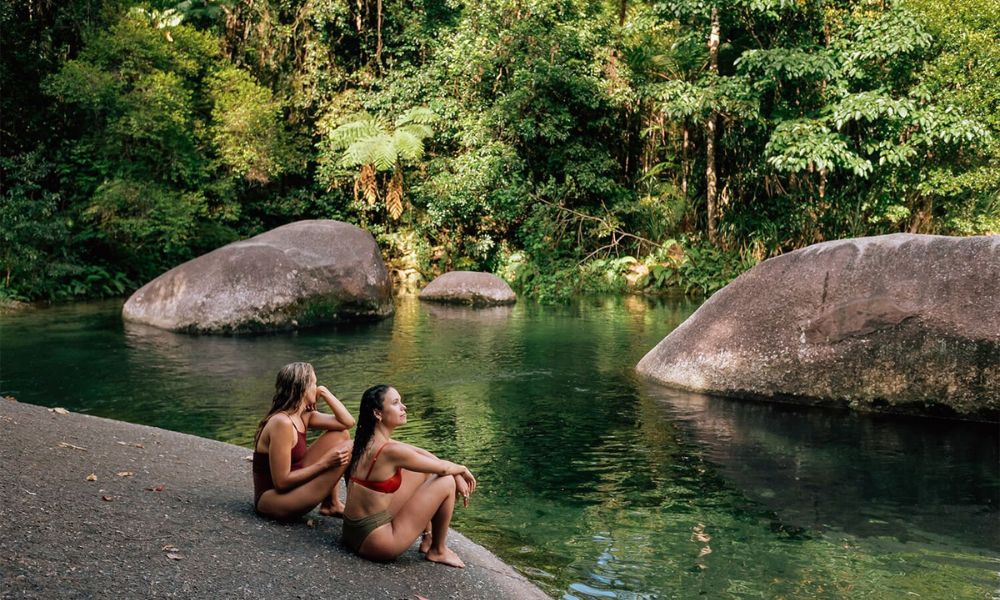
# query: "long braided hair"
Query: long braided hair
289,388
371,401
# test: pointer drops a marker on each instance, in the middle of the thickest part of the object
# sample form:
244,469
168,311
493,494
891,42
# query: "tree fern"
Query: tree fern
364,142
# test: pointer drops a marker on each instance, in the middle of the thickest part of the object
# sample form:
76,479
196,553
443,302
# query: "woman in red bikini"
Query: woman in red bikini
290,479
403,487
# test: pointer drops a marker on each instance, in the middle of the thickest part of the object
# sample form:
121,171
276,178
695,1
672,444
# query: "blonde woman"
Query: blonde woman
289,477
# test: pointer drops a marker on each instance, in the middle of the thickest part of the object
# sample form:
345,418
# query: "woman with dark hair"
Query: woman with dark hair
403,487
289,478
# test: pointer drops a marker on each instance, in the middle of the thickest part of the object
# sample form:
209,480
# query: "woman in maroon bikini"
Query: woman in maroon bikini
404,488
290,479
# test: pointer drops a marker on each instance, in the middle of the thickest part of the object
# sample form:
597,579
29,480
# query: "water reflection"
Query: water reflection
870,475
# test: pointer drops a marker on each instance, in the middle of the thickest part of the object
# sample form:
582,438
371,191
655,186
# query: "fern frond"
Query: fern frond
368,185
394,197
361,126
383,154
417,114
418,130
409,146
378,151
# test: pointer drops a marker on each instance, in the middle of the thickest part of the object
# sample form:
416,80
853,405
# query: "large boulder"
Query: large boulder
896,323
469,287
297,275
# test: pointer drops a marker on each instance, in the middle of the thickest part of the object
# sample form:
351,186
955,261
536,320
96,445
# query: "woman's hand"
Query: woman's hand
341,418
466,476
336,457
462,489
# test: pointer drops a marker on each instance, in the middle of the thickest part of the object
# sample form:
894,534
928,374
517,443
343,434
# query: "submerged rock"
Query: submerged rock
297,275
469,287
896,323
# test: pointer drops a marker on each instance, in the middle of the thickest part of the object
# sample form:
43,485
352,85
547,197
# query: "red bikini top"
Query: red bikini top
386,487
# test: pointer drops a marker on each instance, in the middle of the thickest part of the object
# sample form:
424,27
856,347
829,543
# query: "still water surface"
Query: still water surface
593,483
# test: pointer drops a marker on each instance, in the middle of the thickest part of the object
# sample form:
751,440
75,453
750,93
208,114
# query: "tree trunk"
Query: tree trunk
684,164
378,43
710,174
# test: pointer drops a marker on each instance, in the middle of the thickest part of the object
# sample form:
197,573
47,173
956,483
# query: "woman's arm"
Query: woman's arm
283,438
462,486
341,420
416,459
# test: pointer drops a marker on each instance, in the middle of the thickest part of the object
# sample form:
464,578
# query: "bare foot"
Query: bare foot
447,557
330,509
425,542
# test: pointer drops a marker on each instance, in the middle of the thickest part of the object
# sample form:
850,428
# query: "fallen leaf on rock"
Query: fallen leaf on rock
128,444
248,458
59,410
169,548
107,498
92,477
71,446
419,597
174,556
124,473
156,488
10,398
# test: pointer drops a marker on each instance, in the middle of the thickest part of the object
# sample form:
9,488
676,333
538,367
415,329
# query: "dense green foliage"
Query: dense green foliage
563,144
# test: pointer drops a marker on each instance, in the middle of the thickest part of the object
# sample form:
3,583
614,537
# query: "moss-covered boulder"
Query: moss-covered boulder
898,323
298,275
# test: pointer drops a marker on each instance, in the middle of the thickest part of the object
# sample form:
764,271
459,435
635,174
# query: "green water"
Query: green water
593,483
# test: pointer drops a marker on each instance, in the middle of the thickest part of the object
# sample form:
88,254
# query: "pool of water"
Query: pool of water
593,483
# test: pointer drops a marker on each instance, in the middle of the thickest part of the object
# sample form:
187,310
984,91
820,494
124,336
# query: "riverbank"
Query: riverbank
91,507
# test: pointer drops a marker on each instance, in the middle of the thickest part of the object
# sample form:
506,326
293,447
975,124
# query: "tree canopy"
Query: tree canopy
568,145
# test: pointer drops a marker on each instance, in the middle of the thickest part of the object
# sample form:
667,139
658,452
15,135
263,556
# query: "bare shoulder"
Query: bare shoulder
396,449
279,422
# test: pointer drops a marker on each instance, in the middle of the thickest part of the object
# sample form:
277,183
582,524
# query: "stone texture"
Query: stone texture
298,275
469,287
896,323
62,536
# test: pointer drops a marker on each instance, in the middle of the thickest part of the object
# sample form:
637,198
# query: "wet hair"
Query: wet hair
371,401
289,388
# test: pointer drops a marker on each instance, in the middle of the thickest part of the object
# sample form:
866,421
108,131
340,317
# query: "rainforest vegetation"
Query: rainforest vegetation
570,146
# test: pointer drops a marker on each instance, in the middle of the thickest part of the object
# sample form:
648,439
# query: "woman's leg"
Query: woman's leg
300,500
331,504
411,483
433,501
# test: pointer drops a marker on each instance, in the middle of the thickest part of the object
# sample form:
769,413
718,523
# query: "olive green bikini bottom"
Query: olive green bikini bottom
356,531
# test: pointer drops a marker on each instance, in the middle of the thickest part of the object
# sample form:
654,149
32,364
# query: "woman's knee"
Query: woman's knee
446,483
338,436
